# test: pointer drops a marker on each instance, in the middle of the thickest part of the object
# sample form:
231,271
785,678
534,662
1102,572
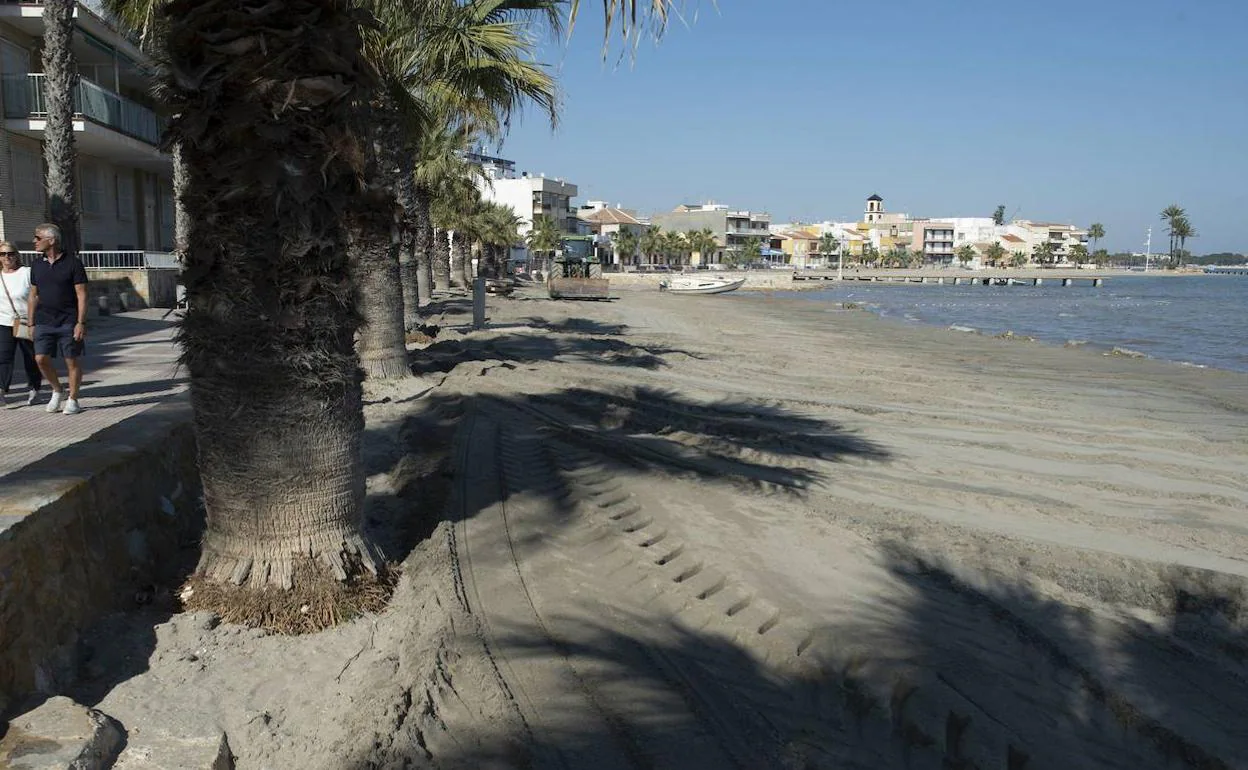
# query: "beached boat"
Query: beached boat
698,285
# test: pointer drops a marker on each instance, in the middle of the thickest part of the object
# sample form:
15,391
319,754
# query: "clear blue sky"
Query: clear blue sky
1100,110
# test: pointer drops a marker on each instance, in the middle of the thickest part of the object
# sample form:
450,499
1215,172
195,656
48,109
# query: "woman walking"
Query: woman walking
15,282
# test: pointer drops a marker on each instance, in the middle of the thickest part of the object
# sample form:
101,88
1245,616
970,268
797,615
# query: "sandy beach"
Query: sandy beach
752,531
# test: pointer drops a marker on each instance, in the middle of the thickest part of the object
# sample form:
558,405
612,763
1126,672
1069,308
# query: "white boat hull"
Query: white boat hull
701,286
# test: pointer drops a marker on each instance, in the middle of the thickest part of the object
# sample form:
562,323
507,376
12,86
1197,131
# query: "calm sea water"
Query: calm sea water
1199,320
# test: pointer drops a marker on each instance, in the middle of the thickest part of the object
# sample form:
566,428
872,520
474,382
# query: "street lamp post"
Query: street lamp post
840,262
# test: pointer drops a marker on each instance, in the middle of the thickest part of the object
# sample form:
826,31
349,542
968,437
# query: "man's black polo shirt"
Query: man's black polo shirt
58,302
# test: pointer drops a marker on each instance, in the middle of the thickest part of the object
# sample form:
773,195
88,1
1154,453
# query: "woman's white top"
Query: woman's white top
18,284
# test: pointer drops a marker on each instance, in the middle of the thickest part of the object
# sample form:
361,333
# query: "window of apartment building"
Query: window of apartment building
28,189
125,196
90,178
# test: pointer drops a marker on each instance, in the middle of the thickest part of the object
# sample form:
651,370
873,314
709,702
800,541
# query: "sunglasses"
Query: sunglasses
9,254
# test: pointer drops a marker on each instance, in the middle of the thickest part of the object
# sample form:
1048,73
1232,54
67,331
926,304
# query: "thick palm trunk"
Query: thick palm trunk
441,260
374,255
375,219
180,224
473,252
61,71
264,122
459,253
405,190
424,247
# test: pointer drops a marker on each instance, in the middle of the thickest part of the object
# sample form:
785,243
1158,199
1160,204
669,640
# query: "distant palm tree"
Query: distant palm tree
652,242
703,243
966,255
998,216
60,69
1043,254
675,246
1096,231
1018,259
1182,231
828,245
625,244
994,254
1078,254
542,240
1171,215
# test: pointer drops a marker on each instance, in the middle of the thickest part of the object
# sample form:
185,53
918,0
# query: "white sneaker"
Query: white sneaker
71,406
32,398
54,403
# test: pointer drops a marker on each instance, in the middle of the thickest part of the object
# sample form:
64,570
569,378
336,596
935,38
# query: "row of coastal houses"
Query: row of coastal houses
878,237
881,235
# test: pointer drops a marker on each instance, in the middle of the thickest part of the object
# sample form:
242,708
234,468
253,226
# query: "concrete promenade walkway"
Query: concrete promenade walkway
130,365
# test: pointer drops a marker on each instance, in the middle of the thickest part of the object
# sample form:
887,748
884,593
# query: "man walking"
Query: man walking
58,307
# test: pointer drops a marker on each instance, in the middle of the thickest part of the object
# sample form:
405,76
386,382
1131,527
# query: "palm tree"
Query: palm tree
994,254
966,254
1096,231
440,169
1171,215
498,226
268,337
626,243
1182,231
675,245
542,240
701,242
60,69
751,252
652,241
472,74
1018,259
828,245
1078,254
1043,253
263,104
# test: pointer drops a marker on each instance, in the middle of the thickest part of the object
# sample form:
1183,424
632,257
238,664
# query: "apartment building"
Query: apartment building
935,238
731,228
535,196
124,181
1060,237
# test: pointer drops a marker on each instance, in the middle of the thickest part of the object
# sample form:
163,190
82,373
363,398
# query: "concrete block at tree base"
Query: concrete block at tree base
156,750
61,734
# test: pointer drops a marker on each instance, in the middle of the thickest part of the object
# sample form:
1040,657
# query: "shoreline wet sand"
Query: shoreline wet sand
754,531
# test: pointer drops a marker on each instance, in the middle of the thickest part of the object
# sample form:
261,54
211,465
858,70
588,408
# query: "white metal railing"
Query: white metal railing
24,98
119,260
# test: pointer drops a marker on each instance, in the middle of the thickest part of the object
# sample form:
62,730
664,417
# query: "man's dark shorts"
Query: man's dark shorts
57,341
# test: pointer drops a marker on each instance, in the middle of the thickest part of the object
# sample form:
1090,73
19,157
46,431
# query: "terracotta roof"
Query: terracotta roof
609,216
1011,238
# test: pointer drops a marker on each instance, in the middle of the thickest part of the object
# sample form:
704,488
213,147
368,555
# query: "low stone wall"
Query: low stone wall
85,532
133,289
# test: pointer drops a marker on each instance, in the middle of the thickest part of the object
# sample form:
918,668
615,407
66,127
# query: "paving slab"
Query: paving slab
130,366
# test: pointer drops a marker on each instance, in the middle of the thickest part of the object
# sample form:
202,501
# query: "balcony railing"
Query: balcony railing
119,260
24,98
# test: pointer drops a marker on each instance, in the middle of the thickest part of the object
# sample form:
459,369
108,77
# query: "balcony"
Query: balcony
24,99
